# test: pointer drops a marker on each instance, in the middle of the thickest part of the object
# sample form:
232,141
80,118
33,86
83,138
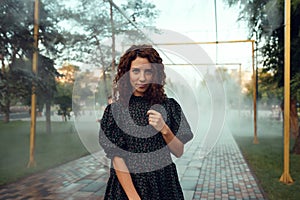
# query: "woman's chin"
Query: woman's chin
139,91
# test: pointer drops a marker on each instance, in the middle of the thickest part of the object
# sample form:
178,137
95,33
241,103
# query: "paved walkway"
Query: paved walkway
223,174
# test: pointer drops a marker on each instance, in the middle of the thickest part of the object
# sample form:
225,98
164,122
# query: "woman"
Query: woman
141,129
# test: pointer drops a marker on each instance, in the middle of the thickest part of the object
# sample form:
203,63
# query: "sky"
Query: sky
196,20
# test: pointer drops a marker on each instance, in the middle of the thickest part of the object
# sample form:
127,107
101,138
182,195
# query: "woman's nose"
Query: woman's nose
142,76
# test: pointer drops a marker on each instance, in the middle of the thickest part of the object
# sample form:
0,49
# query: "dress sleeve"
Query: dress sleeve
179,123
111,137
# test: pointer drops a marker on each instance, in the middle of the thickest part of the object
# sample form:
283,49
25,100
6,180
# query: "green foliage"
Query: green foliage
16,49
17,29
266,24
63,98
64,102
89,39
142,13
268,90
78,32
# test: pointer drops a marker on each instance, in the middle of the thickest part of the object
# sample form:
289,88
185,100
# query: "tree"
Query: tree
265,21
16,49
95,25
12,42
64,92
268,90
94,31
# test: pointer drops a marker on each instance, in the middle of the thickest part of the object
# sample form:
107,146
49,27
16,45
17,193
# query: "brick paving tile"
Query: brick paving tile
222,174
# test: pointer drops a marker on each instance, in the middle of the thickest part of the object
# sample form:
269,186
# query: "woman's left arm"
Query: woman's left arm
174,144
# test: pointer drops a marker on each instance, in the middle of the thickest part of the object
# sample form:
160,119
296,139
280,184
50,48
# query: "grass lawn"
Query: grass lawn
266,159
50,149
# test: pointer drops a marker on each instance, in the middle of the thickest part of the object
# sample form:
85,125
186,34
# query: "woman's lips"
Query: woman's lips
141,85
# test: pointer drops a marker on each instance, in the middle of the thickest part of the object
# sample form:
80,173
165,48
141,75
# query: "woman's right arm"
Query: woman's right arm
124,178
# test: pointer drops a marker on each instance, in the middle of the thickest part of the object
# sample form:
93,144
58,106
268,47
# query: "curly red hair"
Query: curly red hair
122,87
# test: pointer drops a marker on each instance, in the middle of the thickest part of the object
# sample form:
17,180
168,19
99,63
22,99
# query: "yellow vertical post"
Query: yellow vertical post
32,162
255,140
240,83
285,177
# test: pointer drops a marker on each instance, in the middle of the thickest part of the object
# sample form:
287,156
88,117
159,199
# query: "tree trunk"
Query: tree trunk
294,119
295,127
296,147
48,117
6,117
5,109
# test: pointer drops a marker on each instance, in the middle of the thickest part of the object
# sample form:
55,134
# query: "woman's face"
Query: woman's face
140,75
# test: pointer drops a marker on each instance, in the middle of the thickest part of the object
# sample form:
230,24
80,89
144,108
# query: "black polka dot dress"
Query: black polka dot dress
126,133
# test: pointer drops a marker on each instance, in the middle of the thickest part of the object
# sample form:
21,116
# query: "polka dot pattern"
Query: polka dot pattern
125,133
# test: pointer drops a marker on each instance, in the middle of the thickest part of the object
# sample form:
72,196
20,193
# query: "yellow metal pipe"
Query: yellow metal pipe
255,140
32,162
240,82
212,42
204,64
286,177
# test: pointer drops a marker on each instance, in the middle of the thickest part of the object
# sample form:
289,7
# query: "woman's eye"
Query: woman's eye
135,71
149,72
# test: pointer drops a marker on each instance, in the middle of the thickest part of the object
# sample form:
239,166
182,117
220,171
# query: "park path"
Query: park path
222,174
